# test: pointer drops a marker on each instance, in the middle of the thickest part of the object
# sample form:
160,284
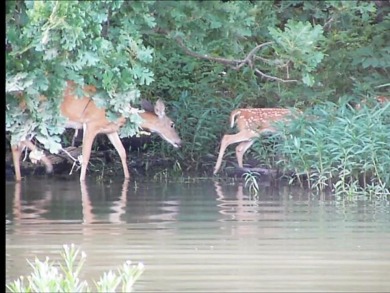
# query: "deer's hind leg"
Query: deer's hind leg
240,151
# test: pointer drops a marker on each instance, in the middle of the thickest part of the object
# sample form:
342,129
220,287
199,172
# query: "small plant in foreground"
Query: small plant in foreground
46,276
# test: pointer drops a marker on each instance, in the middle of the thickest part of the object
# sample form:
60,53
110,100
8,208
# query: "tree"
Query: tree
50,42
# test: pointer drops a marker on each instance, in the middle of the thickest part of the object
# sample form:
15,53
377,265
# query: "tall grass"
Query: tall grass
340,148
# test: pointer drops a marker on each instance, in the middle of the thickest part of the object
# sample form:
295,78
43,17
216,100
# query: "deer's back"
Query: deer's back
80,110
258,119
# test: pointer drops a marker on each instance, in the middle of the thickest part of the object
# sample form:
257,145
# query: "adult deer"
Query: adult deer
82,113
251,123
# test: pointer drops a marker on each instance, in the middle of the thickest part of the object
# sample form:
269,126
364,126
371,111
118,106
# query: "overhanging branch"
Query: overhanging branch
235,64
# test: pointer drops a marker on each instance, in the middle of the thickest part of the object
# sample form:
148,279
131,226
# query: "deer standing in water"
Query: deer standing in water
82,113
251,123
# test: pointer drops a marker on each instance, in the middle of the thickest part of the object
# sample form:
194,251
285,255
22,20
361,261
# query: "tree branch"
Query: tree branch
235,64
229,62
274,77
249,57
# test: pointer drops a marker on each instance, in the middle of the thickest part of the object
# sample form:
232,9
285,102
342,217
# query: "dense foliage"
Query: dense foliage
204,58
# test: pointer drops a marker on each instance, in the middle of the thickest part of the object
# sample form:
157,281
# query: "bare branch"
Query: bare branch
251,54
328,23
225,61
274,77
235,64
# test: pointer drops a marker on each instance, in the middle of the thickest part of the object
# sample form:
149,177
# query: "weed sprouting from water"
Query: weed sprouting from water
250,179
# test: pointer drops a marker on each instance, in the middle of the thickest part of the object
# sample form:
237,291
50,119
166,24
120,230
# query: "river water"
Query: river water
203,235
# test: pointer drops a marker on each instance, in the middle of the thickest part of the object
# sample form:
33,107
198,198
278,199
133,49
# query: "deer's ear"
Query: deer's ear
159,108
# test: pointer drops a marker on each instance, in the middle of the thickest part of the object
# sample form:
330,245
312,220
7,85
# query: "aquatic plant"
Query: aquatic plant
48,276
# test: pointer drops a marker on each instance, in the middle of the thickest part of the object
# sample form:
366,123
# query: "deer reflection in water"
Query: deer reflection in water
168,212
33,209
87,206
117,209
40,210
252,214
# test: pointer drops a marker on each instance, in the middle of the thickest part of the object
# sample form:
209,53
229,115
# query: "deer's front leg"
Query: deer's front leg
88,138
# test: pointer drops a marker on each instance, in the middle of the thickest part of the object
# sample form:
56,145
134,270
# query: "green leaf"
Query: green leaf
308,79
